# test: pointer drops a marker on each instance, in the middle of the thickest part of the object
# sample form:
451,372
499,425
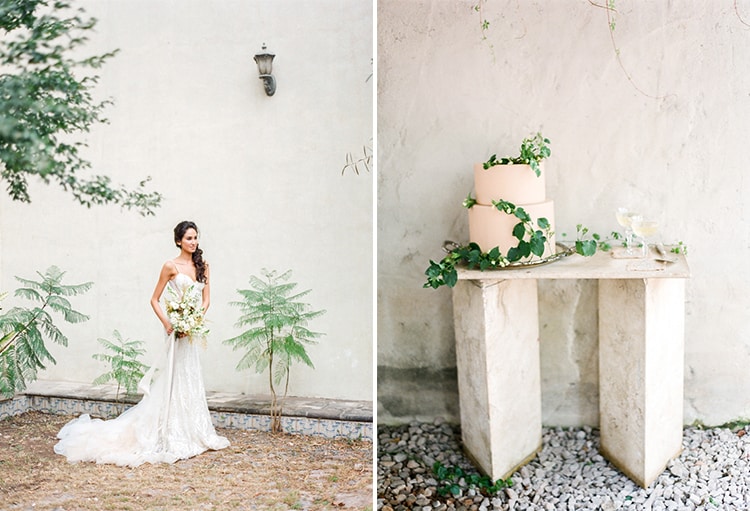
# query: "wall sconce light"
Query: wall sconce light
265,67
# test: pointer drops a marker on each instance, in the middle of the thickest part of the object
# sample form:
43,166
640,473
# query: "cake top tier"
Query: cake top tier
515,183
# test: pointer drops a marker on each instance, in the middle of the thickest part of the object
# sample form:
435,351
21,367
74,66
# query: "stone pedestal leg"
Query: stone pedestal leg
497,355
641,352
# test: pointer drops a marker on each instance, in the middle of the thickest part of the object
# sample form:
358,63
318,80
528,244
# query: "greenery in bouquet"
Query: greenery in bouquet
185,313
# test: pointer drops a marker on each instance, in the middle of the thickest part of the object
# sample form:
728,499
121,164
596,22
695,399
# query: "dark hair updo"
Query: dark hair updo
200,264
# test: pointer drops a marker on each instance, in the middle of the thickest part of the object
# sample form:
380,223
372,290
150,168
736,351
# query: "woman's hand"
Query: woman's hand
179,335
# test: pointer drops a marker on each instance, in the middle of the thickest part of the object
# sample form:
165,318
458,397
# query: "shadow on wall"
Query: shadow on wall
417,393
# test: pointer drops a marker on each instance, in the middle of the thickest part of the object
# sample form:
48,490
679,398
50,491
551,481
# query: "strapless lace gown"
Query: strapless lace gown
170,423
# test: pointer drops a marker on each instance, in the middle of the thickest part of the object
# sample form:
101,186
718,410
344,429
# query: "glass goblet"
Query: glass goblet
644,228
625,219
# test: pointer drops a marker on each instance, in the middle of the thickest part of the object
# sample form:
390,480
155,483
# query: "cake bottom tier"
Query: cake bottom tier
491,228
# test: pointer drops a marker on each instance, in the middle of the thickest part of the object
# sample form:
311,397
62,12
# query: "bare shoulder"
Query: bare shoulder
169,264
169,267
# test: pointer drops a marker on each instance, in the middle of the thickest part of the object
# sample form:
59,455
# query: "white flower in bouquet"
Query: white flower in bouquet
185,313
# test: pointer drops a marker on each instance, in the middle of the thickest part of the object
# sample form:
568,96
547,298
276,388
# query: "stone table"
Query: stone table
641,352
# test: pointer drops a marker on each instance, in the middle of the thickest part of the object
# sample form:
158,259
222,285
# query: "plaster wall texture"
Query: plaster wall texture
261,176
658,131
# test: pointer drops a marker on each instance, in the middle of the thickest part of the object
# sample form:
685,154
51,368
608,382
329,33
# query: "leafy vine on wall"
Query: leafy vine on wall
611,23
611,11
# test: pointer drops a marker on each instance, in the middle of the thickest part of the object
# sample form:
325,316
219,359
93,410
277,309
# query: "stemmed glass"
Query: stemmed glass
625,219
644,228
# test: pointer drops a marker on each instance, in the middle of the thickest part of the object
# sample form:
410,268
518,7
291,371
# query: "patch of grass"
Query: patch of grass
292,500
736,425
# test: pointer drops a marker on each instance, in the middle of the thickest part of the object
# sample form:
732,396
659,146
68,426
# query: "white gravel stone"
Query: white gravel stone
713,472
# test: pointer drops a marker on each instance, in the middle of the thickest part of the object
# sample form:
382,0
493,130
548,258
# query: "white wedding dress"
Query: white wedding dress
170,423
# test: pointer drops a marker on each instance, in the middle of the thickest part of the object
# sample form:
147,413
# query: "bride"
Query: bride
172,421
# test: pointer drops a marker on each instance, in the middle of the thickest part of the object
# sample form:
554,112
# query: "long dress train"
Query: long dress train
171,422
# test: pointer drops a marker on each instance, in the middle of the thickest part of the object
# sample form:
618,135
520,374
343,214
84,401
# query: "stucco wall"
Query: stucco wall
260,175
668,142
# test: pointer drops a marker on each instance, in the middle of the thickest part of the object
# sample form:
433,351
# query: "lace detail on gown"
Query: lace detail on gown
170,423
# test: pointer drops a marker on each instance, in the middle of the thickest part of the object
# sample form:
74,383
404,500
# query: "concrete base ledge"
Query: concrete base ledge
329,418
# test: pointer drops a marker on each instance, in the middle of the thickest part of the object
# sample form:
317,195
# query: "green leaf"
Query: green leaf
504,206
492,161
586,248
535,167
451,278
469,201
514,254
440,470
29,294
536,244
473,257
524,249
522,215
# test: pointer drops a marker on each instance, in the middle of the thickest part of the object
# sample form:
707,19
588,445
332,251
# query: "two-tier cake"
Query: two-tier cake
519,185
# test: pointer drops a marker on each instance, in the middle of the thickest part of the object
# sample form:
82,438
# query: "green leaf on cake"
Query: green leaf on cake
504,206
469,201
522,215
536,244
514,254
494,255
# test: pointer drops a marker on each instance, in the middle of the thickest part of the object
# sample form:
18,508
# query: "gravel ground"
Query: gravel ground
713,472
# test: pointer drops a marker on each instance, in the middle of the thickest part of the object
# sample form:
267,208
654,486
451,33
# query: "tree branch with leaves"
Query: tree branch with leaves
46,103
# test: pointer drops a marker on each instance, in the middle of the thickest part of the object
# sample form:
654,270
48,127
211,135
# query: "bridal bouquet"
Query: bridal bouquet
184,312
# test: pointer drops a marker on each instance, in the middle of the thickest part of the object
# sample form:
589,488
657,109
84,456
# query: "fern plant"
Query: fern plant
125,368
276,334
23,330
